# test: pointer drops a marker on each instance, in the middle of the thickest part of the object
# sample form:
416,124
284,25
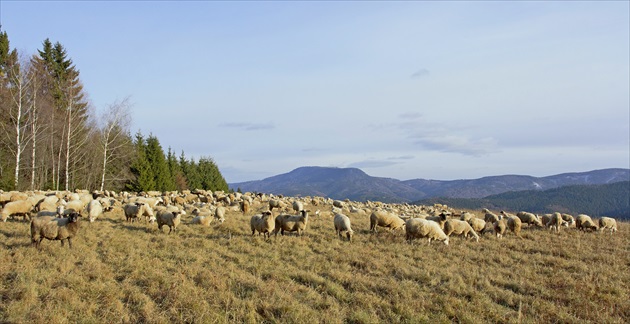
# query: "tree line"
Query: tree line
51,137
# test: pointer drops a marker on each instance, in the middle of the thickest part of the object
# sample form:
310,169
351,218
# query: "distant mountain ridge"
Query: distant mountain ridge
354,184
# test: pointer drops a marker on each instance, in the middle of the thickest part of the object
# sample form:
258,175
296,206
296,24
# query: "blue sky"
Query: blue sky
432,90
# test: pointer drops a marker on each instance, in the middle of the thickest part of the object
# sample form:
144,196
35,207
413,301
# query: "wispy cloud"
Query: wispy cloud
458,144
372,164
249,126
420,73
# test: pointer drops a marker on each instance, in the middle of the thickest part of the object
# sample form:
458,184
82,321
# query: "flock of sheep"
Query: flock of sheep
54,215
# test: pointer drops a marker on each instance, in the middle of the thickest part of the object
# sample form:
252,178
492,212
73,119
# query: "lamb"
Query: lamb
135,211
459,227
94,209
51,228
342,224
608,223
263,223
291,223
385,219
170,219
16,208
514,223
420,228
529,218
584,222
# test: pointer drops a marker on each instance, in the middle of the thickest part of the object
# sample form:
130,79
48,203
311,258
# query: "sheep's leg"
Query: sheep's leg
69,243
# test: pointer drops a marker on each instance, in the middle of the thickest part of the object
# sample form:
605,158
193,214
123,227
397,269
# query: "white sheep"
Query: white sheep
291,223
263,223
489,216
94,209
385,219
52,228
440,219
529,218
421,228
219,214
459,227
342,224
500,227
137,210
17,208
608,223
77,205
514,223
584,222
170,219
477,224
297,206
555,222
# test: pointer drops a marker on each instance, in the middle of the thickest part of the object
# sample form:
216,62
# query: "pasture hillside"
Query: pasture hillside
130,273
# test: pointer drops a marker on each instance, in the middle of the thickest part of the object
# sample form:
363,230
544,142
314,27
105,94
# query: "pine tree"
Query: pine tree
155,155
140,168
211,178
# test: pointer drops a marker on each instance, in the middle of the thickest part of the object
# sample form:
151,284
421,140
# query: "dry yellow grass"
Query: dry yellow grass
120,272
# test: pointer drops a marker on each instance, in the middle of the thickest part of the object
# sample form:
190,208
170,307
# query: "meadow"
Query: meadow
132,273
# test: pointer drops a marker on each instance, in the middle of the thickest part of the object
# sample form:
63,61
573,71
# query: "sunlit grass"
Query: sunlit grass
133,273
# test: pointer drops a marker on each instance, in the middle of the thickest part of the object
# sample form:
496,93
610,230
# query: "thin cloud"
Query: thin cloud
420,73
372,164
404,157
459,144
249,126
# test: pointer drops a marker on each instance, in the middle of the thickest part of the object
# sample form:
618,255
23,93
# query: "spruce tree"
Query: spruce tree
155,155
140,168
211,178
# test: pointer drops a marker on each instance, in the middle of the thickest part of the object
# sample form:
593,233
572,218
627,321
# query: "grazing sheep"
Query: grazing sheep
219,214
202,220
94,209
514,224
608,223
263,223
292,223
170,219
245,206
17,208
555,222
385,219
584,222
477,224
52,228
440,219
420,228
529,219
568,220
342,224
137,210
459,227
500,227
297,206
489,216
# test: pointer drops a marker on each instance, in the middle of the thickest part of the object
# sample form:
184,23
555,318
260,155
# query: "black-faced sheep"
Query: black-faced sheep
291,223
52,228
385,219
608,223
459,227
421,228
263,223
342,224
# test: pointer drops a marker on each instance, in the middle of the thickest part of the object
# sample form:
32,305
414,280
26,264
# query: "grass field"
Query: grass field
131,273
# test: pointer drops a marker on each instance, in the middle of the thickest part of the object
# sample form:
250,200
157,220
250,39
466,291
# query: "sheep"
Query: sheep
608,223
514,223
440,219
263,223
76,205
274,203
385,219
420,228
292,223
94,209
219,214
136,210
568,220
52,228
584,222
529,219
245,206
477,224
17,208
459,227
500,227
342,224
466,216
170,219
555,222
490,216
297,206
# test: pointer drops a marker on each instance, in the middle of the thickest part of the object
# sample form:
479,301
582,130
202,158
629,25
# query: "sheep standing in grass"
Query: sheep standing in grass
584,222
291,223
94,209
275,203
263,223
555,222
500,227
17,208
219,214
170,219
385,219
421,228
440,219
477,224
529,219
459,227
489,216
514,224
137,210
568,220
297,206
52,228
608,223
342,224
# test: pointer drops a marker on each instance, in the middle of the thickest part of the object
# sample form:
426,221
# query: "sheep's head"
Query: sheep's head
73,217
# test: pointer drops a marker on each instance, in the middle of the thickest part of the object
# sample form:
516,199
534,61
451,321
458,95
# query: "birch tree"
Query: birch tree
115,138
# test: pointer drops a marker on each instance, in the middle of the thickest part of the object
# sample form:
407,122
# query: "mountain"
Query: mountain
354,184
596,200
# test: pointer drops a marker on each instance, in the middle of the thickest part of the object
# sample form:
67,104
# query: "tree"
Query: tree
161,174
114,135
211,178
140,168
